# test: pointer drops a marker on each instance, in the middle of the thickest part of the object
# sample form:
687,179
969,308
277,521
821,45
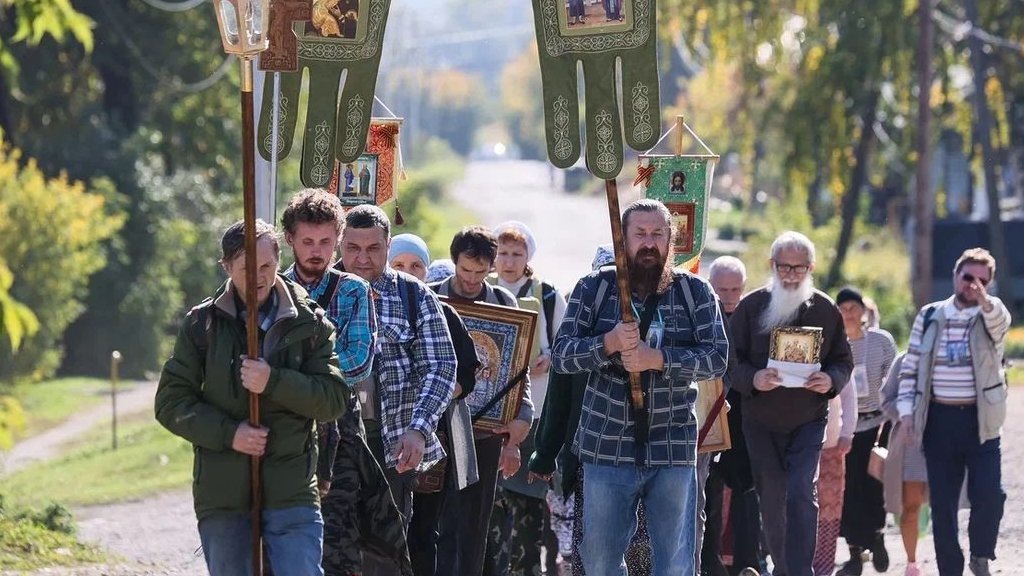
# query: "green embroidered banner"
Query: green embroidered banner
342,35
598,35
683,184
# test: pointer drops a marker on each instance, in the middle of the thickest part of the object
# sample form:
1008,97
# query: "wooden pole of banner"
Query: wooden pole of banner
636,391
251,306
680,129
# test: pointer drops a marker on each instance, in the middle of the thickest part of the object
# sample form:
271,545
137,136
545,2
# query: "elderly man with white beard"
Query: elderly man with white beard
784,426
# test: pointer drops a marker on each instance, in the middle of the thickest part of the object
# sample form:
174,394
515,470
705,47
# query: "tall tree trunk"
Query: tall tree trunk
983,130
921,271
851,200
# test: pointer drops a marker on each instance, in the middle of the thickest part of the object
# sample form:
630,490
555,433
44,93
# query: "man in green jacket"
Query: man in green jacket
203,397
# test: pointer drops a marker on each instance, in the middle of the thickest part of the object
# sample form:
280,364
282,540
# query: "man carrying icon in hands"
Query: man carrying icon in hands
952,401
784,422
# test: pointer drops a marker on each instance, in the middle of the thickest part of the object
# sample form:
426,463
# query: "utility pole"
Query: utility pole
983,133
921,267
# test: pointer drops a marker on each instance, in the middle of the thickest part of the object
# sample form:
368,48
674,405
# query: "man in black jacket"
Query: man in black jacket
783,421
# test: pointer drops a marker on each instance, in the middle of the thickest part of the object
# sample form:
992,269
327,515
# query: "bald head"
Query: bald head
728,277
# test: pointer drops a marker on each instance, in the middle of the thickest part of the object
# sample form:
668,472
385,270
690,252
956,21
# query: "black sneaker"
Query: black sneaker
979,566
853,566
879,555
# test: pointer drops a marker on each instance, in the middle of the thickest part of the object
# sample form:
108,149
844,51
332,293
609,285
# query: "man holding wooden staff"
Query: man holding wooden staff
203,397
679,339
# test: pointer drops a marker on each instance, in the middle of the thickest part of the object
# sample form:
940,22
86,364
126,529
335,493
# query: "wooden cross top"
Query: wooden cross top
283,54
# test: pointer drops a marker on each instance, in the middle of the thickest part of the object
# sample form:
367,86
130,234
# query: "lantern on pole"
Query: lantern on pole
243,32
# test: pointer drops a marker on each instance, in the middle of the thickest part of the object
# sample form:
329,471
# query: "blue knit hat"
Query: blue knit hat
409,244
605,255
440,270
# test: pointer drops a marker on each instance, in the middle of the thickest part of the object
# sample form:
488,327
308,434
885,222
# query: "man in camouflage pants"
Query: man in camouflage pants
357,508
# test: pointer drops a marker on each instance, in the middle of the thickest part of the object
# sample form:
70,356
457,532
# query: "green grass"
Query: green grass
1015,374
49,403
26,543
149,460
1015,343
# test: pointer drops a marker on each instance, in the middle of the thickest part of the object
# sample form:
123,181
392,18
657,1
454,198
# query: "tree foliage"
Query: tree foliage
32,20
152,109
522,104
16,319
52,238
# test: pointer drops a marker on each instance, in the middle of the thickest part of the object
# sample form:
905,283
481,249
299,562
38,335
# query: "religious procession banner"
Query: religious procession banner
683,184
370,178
598,34
340,36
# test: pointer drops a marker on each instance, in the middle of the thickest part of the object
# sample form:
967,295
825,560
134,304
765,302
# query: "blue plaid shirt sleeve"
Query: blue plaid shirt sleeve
356,330
434,365
709,357
576,350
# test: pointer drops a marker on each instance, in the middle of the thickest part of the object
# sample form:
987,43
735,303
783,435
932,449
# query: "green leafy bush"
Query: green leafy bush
1015,344
51,239
32,539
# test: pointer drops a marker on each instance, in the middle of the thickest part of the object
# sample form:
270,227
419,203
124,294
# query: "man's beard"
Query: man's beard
785,304
964,301
314,269
651,276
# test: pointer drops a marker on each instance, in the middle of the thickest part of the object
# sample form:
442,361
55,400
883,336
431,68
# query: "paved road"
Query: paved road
568,228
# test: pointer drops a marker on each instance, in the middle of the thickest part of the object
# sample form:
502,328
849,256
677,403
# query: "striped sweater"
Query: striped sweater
953,377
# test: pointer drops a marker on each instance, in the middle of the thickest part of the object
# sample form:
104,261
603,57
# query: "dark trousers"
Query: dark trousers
711,550
864,500
424,531
785,470
745,517
467,516
401,491
951,448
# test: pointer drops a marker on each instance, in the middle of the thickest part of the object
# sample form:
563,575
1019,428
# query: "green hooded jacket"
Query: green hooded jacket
200,398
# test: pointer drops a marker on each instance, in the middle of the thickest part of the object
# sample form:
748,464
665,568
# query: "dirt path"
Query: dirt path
156,536
49,444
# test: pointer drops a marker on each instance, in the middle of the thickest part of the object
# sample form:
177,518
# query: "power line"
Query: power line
182,6
174,82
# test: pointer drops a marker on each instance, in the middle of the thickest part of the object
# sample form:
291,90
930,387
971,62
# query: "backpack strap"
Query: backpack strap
500,297
929,311
525,289
410,300
547,299
333,281
605,281
688,296
200,327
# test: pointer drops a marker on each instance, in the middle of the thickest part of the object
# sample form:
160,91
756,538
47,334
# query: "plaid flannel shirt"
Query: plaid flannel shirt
692,353
414,365
351,312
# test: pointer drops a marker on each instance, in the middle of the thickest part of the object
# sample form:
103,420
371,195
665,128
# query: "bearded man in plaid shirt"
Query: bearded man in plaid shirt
413,368
680,339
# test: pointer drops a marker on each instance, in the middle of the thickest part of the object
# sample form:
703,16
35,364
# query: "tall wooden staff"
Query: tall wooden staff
243,31
641,420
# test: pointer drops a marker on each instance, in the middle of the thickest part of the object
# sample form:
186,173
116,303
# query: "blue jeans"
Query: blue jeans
610,498
951,448
293,540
